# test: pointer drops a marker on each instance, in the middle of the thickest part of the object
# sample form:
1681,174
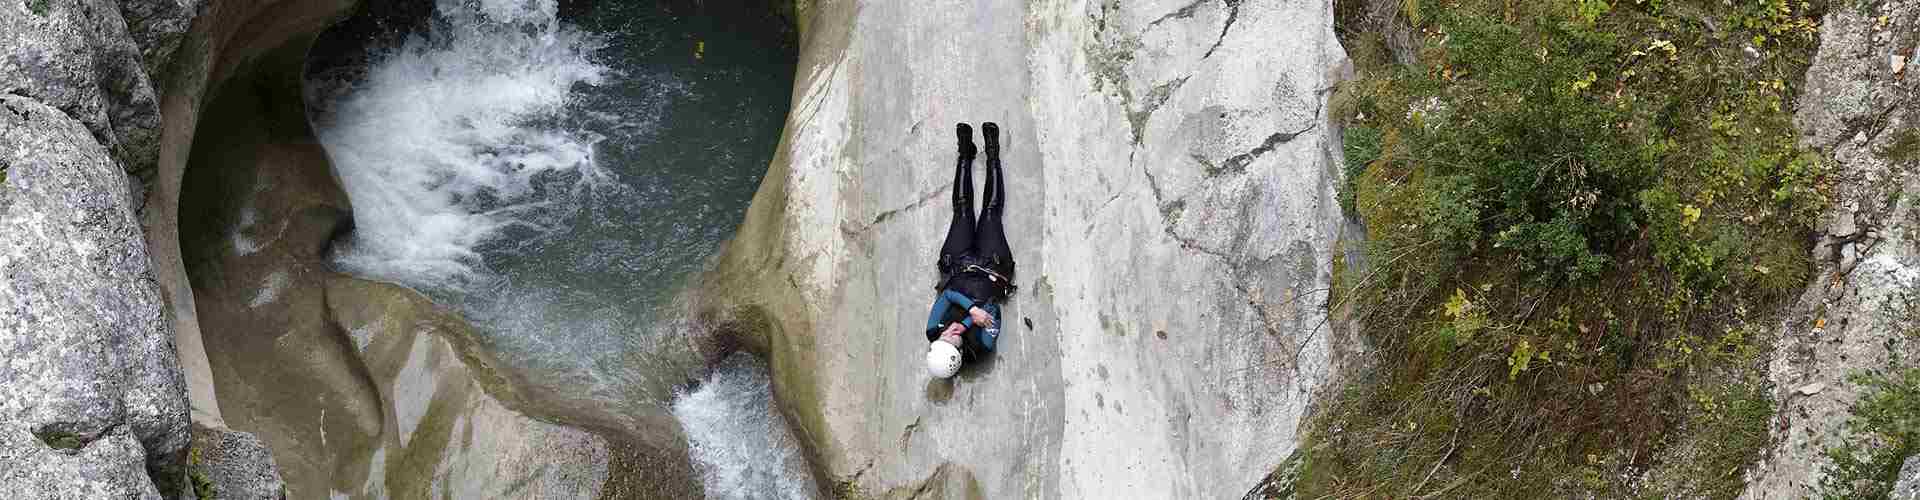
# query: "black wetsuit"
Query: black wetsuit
975,260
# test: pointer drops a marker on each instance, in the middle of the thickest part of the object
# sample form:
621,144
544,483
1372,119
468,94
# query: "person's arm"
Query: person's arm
982,339
976,312
939,310
960,299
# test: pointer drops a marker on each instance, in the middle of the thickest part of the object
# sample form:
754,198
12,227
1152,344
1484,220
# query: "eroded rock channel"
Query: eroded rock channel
437,251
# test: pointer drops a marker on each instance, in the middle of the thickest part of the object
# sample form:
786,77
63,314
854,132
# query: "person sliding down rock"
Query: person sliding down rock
976,267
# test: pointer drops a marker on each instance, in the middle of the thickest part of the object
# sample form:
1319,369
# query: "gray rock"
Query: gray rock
1171,206
1849,257
1908,486
157,27
90,365
1853,108
233,465
1843,224
77,56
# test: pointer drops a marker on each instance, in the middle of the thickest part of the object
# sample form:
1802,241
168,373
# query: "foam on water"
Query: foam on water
495,163
447,141
739,441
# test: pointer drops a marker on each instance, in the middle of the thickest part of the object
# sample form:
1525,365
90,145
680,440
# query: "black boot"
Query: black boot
992,133
965,133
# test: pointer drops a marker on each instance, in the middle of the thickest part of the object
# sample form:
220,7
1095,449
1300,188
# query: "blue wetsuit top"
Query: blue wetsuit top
944,307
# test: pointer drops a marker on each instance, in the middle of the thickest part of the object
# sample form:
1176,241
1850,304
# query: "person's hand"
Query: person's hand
980,317
952,333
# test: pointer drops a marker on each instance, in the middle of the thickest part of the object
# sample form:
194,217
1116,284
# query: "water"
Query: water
555,173
740,444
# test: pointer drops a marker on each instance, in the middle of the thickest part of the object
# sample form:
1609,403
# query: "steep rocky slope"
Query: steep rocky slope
1170,204
1860,101
95,400
91,398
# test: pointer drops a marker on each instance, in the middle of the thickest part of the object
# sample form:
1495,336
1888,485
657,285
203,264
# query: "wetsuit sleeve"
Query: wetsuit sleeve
934,314
959,300
981,337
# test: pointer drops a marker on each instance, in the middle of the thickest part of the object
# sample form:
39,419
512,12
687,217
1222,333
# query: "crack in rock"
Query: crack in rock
884,215
1156,97
1181,13
1238,163
1233,14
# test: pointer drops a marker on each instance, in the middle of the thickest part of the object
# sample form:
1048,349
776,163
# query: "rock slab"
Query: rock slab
1171,206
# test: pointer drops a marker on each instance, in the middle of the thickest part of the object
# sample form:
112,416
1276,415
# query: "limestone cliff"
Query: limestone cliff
1860,100
1171,170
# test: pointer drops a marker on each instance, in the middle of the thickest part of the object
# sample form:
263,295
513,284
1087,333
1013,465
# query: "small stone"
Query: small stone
1849,256
1843,224
1898,63
1595,388
1811,389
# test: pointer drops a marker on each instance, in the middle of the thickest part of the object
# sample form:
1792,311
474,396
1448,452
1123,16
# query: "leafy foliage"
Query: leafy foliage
1885,422
1573,207
1888,417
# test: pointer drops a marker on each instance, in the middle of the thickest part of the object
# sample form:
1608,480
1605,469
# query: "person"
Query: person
975,264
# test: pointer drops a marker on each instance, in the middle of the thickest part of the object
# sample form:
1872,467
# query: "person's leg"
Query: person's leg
991,241
960,232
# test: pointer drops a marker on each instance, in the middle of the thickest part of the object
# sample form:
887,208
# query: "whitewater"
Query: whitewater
494,162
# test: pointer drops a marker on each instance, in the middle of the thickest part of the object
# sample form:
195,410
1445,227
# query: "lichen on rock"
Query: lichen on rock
1857,107
91,397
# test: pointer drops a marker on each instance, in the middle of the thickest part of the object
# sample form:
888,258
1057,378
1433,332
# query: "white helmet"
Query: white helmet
943,360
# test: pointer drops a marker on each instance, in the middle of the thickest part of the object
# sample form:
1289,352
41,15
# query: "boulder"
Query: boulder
1170,203
229,464
77,56
92,399
1857,103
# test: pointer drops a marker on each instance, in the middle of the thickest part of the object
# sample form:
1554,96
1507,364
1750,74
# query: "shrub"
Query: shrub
1886,420
1573,209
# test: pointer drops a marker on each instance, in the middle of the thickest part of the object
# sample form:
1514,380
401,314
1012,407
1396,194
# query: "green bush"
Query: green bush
1886,423
1573,210
1362,146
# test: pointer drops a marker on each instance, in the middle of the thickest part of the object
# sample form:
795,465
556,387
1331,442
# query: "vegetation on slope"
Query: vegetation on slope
1580,216
1885,421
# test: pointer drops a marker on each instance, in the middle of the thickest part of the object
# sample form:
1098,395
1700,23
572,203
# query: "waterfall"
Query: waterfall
555,180
447,143
740,444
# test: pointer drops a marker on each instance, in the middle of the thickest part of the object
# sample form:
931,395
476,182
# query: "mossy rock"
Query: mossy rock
60,440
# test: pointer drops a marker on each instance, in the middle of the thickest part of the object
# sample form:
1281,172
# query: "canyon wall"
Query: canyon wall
1171,173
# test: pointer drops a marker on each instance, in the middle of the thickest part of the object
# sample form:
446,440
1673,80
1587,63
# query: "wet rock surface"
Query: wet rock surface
362,389
1170,202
